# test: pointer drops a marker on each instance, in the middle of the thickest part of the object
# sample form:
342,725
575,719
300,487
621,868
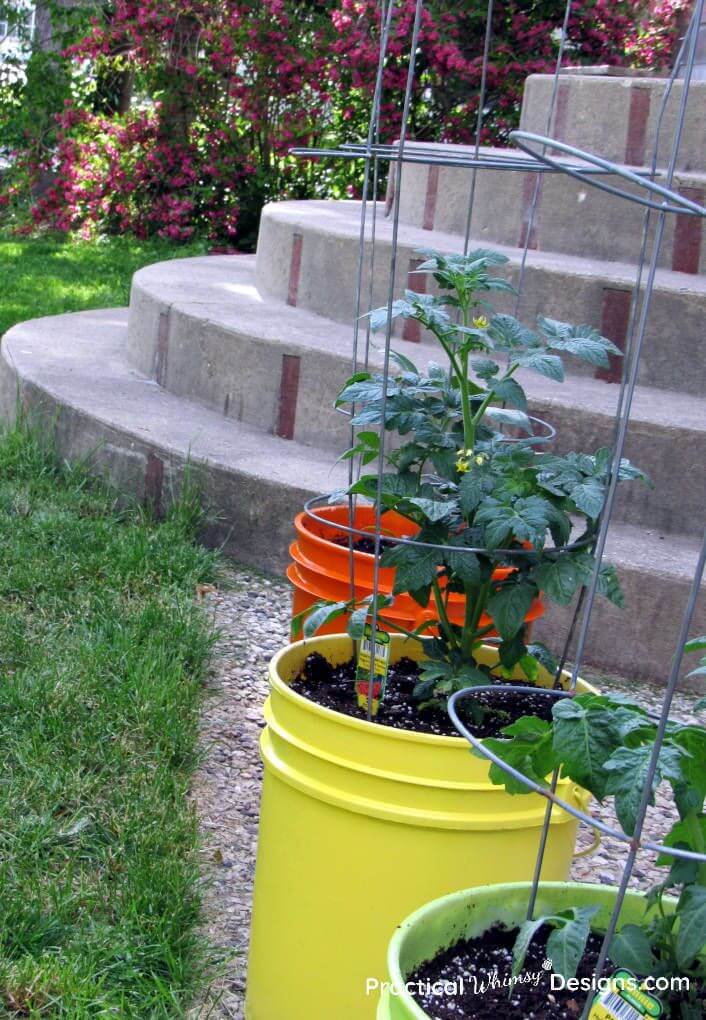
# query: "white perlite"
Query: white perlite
251,613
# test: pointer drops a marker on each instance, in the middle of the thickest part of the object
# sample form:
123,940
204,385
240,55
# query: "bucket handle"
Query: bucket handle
589,851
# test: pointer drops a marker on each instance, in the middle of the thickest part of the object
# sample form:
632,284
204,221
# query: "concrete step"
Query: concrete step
303,244
570,216
279,368
616,116
71,373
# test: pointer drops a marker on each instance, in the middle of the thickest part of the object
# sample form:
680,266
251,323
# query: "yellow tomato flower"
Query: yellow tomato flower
481,322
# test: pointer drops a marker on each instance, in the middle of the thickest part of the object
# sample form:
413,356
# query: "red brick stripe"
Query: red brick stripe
637,126
162,350
411,330
561,112
295,268
528,232
154,482
686,254
430,199
288,393
615,319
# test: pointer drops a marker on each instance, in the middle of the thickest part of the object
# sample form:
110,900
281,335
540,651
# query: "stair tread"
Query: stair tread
342,219
79,360
225,295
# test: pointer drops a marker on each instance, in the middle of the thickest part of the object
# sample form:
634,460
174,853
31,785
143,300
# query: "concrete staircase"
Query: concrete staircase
231,364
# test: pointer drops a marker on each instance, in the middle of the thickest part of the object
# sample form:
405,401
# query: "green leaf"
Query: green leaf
512,650
485,368
404,363
358,618
507,416
464,565
321,614
609,585
433,509
584,739
470,491
586,348
589,496
628,767
510,391
507,333
538,360
631,948
543,656
691,934
416,567
527,931
559,579
533,758
566,945
583,341
682,835
394,487
509,606
524,520
697,644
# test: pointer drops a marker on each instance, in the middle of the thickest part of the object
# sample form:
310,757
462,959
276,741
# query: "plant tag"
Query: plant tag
380,650
623,999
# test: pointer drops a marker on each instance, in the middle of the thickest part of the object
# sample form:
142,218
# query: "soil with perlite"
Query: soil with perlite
472,980
251,613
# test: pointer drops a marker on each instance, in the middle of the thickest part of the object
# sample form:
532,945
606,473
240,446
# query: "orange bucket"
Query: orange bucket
320,570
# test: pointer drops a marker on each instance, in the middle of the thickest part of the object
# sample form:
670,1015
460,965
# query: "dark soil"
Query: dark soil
334,687
476,995
361,544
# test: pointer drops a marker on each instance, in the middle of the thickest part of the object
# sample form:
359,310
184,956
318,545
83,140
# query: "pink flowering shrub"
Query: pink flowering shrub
211,98
655,40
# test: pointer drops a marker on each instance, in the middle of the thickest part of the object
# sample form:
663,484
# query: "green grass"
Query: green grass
102,659
47,276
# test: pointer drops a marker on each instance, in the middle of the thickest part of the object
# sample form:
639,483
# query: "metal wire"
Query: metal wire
558,550
631,357
681,204
658,199
417,153
535,190
549,792
385,21
388,337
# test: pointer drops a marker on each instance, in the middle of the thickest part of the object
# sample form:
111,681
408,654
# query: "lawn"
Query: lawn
103,651
46,276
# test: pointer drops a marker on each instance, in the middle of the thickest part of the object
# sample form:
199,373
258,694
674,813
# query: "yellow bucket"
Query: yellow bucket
359,824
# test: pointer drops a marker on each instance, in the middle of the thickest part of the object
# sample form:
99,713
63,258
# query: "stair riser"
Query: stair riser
245,379
676,325
569,217
617,117
634,641
251,515
638,642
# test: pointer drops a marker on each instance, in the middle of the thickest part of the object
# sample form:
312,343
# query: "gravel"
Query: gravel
251,611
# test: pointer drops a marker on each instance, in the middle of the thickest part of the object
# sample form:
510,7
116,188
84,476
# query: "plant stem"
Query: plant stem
443,615
478,605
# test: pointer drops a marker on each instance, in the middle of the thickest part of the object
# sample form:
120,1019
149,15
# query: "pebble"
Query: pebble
251,613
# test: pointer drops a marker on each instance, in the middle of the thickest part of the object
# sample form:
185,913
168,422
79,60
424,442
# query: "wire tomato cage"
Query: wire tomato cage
653,190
